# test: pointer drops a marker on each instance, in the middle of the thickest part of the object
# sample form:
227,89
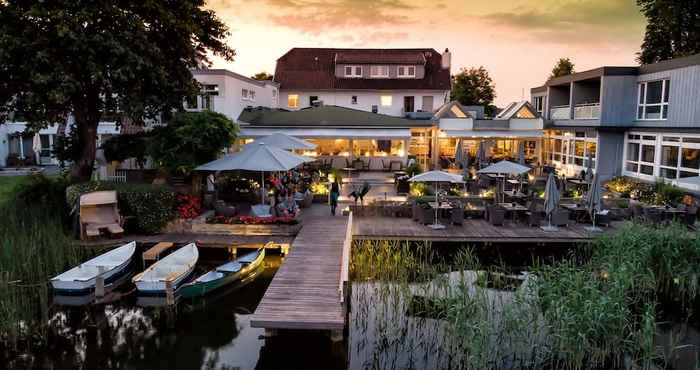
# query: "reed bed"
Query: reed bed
33,247
412,308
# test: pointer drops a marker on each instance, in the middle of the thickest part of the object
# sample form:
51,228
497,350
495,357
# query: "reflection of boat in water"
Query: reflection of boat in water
73,300
223,275
81,280
172,269
152,301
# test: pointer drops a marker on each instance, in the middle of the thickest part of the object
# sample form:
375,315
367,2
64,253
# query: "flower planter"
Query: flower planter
245,229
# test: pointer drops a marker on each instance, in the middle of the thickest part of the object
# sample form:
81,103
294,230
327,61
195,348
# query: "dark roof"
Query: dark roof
325,116
665,65
235,75
314,69
383,56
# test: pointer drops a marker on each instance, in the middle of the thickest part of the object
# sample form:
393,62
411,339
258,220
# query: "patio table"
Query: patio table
514,194
577,210
472,210
513,208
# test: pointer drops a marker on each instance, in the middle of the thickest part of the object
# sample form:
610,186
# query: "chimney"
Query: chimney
446,59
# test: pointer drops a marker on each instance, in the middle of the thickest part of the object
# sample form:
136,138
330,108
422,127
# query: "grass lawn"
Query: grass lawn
8,185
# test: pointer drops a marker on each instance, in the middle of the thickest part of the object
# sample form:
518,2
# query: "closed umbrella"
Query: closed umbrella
551,201
480,154
521,153
589,169
459,152
260,157
594,202
436,177
465,166
283,141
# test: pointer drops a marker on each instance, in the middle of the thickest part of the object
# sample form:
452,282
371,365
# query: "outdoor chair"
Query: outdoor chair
427,216
358,164
602,219
224,210
637,211
690,215
457,216
366,166
415,211
307,201
261,210
533,217
496,216
386,166
653,215
98,211
560,217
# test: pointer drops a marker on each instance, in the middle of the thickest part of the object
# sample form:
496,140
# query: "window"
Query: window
211,89
353,99
353,71
379,71
191,102
293,101
406,71
669,158
385,100
312,99
251,95
653,100
247,95
375,109
244,94
538,102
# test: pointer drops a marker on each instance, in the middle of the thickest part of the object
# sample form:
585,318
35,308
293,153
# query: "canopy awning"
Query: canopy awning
331,133
505,134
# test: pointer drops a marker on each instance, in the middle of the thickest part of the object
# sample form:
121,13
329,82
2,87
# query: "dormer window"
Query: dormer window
406,71
353,71
379,71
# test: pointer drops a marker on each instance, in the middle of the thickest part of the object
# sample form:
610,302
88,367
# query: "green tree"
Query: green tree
562,67
474,86
262,76
86,59
673,29
191,139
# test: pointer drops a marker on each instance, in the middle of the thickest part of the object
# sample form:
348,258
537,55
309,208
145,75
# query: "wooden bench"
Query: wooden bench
154,252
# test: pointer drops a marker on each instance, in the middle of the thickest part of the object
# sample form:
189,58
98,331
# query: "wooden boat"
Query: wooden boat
82,278
223,275
172,269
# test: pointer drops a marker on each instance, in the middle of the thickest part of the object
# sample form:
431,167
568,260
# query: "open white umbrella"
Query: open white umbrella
505,168
594,202
259,157
283,141
436,177
551,201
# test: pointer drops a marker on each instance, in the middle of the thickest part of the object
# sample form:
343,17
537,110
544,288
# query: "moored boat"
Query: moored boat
173,269
225,274
82,278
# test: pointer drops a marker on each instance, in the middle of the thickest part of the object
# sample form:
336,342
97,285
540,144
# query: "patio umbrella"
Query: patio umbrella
594,202
465,166
505,168
260,157
480,154
521,153
283,141
436,177
589,170
459,152
551,200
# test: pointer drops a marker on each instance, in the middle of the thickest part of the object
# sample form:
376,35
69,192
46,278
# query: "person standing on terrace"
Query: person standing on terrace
333,196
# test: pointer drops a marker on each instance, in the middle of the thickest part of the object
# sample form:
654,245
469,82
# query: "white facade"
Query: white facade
226,91
387,102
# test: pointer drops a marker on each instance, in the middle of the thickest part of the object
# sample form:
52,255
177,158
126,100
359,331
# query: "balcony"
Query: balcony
560,112
587,111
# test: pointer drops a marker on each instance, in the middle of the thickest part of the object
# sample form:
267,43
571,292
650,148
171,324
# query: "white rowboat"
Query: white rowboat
173,269
82,278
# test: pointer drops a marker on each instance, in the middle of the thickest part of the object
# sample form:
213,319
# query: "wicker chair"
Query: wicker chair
690,216
415,211
427,216
457,215
560,217
496,215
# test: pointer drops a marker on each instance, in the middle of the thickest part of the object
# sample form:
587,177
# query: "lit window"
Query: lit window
293,101
385,100
652,103
353,71
406,71
379,71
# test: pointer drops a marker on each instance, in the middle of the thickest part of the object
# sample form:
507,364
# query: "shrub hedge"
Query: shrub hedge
150,206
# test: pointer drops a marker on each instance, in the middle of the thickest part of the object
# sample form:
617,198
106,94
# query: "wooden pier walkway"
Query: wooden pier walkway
305,294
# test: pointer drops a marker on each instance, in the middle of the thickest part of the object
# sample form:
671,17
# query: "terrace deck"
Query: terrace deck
304,293
473,230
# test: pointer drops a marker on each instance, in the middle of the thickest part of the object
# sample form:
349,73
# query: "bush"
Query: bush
122,147
150,206
414,169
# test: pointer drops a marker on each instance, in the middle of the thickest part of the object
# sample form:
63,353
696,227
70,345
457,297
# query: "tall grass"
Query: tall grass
33,247
600,311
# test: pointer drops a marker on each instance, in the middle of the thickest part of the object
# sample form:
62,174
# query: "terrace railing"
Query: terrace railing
587,111
560,112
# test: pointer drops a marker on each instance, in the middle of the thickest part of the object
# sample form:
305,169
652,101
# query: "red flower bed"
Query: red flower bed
251,220
189,206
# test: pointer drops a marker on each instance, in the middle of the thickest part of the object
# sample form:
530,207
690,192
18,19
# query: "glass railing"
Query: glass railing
560,112
587,111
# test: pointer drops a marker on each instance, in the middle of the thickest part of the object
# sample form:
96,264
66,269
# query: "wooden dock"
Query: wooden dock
305,294
473,230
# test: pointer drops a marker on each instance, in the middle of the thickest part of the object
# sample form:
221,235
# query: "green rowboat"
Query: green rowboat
225,274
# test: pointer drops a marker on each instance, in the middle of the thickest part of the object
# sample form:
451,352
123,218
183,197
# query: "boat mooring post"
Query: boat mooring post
169,294
100,282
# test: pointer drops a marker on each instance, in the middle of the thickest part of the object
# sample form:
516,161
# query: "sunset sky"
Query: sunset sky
518,41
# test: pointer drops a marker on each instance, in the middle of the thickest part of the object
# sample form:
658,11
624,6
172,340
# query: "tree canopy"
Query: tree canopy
474,86
67,58
563,67
673,29
262,76
191,139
